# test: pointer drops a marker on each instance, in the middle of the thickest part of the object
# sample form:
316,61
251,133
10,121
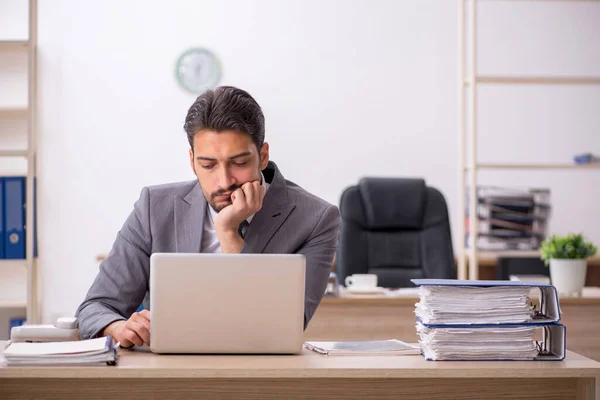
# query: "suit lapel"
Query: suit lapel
189,221
264,225
275,210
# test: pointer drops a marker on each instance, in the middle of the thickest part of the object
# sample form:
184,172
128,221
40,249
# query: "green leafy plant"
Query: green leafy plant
572,246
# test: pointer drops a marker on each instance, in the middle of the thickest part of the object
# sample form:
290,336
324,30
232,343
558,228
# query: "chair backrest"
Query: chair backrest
396,228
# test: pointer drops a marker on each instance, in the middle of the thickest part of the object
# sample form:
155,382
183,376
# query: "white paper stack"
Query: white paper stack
473,305
82,352
489,343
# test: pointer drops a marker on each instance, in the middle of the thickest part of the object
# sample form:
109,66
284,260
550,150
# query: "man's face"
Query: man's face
223,162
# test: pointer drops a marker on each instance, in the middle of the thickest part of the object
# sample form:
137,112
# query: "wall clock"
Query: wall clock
198,70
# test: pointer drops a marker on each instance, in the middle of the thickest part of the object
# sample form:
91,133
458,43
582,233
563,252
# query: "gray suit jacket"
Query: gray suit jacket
170,218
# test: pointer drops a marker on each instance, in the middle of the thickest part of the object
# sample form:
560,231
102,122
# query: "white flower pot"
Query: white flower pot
568,275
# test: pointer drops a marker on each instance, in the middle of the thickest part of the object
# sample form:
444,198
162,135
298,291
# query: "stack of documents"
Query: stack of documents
365,348
488,320
474,304
82,352
494,343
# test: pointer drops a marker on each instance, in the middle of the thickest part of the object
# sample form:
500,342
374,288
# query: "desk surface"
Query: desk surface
144,364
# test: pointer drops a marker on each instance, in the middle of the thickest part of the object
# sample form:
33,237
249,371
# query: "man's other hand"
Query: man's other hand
134,331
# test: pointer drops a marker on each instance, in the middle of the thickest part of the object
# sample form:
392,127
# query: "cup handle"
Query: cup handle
348,281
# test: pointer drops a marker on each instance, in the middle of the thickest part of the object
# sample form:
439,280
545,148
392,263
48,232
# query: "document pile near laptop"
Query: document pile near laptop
487,320
82,352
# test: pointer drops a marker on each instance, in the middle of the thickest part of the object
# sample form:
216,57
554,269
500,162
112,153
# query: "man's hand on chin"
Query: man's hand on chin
246,201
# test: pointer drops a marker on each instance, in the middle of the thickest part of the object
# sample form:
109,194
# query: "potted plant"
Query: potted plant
567,257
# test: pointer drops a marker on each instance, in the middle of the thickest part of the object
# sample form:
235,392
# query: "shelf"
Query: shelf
548,1
13,153
13,263
13,304
594,165
14,44
468,122
18,112
535,80
494,254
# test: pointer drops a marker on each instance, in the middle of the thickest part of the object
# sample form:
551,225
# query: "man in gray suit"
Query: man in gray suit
239,203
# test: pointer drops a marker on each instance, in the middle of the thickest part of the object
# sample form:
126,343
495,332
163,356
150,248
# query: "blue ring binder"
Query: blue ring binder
552,347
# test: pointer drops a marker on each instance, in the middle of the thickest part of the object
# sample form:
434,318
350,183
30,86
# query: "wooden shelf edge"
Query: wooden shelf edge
13,304
589,166
484,254
20,111
533,80
13,153
14,44
5,261
487,258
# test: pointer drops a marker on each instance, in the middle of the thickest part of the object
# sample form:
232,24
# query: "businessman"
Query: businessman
239,203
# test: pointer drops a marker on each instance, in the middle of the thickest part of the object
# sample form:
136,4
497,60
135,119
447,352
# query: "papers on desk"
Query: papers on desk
365,348
473,304
82,352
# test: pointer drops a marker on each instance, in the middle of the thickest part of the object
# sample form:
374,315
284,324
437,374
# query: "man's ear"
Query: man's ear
264,156
192,161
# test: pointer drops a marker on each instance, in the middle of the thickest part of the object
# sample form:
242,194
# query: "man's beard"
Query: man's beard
231,189
220,192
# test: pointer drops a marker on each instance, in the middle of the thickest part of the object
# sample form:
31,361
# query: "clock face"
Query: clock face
198,70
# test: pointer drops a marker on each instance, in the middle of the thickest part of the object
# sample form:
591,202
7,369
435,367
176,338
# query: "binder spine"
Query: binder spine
14,218
2,224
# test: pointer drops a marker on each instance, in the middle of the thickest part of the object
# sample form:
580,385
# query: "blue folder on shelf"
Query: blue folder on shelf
551,346
14,218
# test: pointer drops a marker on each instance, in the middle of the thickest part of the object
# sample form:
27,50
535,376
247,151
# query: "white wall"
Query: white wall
349,89
14,22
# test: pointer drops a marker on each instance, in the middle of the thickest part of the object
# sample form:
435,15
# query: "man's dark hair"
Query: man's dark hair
226,108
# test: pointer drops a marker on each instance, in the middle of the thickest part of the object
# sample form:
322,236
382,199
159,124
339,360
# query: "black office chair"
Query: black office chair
395,228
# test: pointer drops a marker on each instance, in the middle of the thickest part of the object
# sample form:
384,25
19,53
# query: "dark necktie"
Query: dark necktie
243,228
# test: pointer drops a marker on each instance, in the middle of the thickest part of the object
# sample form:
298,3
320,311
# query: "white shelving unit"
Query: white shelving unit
13,268
467,129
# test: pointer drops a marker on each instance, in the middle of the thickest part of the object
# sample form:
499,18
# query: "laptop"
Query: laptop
227,303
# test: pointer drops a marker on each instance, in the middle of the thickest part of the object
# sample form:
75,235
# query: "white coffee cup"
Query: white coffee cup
361,281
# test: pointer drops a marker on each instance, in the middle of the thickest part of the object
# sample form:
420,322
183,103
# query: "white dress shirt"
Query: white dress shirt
210,240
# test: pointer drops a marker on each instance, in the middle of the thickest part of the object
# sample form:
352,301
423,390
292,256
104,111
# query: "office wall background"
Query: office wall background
349,89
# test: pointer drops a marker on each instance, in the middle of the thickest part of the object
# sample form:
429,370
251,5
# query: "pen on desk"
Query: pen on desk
118,346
